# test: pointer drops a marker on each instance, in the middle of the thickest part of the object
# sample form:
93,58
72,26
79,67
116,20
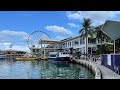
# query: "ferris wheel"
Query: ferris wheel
35,37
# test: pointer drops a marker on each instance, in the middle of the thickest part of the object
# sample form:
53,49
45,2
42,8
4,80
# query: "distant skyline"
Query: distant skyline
15,26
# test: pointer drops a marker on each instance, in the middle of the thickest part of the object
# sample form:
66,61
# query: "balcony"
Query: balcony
104,42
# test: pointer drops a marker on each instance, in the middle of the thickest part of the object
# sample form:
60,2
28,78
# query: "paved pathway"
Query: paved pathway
106,73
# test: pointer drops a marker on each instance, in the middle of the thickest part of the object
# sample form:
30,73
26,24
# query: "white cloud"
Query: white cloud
12,34
71,15
6,43
59,37
72,25
20,47
9,35
58,29
98,17
17,38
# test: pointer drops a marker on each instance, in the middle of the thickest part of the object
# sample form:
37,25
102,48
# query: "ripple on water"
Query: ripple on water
42,70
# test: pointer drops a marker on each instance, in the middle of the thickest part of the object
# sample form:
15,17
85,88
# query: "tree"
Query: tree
86,30
117,44
100,35
103,49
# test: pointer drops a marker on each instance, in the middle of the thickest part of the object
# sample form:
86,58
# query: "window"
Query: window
76,42
90,40
70,44
33,50
52,55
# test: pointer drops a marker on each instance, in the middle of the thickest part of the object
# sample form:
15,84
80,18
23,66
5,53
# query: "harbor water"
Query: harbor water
11,69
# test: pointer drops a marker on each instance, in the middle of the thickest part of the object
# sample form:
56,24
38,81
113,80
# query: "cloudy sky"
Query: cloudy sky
16,26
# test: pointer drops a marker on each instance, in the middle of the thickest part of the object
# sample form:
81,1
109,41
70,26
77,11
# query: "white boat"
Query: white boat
2,56
59,56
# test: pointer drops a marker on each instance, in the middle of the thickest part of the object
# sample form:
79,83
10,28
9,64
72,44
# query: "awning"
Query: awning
112,29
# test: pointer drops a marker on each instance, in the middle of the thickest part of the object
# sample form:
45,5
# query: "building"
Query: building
68,45
13,53
46,46
79,44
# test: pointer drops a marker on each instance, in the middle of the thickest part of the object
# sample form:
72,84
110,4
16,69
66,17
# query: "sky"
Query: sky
16,26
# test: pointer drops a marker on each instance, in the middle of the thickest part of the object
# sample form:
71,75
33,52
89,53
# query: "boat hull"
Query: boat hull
26,59
2,57
59,59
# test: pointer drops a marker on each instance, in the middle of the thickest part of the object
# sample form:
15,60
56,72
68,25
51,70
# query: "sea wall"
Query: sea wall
92,67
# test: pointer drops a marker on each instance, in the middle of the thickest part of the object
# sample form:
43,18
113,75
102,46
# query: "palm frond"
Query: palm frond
90,33
83,36
82,30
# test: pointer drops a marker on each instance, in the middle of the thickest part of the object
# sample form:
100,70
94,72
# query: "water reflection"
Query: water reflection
10,69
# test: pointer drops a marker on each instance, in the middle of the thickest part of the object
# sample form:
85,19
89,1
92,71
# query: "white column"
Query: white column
86,48
67,44
41,49
114,46
87,45
44,50
91,50
71,43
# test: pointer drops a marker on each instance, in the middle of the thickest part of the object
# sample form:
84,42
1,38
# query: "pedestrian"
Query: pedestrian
88,57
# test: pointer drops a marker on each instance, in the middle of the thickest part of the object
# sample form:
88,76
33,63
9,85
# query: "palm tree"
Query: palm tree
101,36
85,31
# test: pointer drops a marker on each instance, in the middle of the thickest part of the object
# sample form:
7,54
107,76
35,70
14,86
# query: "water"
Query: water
10,69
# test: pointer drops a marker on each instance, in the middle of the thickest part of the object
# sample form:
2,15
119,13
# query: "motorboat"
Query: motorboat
58,56
2,56
27,57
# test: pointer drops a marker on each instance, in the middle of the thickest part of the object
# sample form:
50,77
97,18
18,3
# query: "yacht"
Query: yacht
2,56
59,56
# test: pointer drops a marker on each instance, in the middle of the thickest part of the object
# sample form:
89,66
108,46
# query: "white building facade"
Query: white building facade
79,43
74,44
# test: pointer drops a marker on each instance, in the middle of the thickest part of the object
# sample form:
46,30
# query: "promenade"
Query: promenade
106,73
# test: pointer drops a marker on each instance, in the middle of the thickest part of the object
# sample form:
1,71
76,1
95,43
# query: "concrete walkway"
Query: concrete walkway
106,73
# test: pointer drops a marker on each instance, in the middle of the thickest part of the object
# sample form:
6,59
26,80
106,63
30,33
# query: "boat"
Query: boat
58,56
26,59
2,56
